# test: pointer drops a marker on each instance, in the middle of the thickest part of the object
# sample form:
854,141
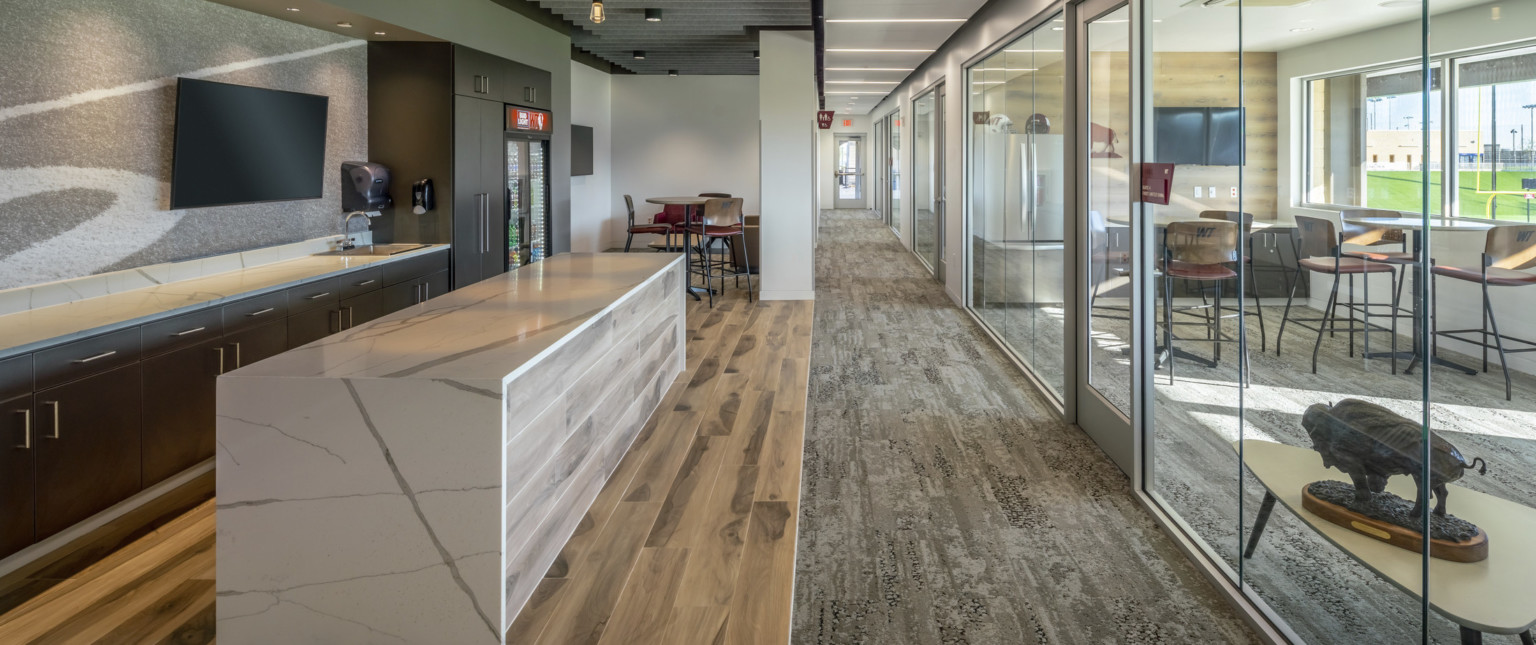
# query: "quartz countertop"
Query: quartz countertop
490,330
26,331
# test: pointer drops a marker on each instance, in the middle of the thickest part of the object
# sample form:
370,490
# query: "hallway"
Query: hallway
943,503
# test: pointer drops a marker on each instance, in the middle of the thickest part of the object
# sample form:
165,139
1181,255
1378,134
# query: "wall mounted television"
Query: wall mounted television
1198,136
240,145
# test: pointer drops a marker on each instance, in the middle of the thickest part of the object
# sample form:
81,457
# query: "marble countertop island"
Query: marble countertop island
411,479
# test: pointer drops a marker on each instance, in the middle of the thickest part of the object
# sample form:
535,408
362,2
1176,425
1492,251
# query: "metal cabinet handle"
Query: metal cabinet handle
220,351
350,321
317,296
26,429
426,291
365,283
96,357
237,354
268,310
56,407
189,331
335,321
487,89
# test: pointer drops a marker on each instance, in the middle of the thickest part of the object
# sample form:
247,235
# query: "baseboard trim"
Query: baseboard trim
787,295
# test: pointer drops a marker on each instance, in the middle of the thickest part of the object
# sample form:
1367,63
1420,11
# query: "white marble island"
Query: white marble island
411,479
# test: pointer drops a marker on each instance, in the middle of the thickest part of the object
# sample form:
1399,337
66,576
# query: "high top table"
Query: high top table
1417,226
690,202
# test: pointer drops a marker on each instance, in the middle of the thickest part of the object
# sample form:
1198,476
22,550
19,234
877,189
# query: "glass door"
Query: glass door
892,216
928,176
527,200
1106,223
850,172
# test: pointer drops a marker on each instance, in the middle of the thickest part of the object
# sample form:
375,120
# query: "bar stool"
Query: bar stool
653,228
1100,258
1379,236
722,220
1245,220
1320,253
1199,252
1507,250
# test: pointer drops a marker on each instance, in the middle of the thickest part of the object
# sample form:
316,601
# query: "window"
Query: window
1484,169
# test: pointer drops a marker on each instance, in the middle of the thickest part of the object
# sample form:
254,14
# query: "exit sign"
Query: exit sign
847,122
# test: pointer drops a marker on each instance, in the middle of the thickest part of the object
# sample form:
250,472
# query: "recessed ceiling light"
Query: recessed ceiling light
653,15
883,51
896,20
639,55
1301,30
757,53
344,24
671,72
293,9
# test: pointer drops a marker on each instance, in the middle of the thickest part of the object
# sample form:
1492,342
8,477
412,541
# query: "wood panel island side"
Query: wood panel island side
413,478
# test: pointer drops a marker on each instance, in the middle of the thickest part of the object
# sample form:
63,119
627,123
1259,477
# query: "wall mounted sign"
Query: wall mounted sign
824,119
847,123
981,118
522,120
1156,182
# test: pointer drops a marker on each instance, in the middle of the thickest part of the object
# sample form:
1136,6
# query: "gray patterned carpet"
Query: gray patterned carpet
943,503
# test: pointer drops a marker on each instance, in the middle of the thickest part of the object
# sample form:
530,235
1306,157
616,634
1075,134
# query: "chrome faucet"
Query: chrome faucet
346,240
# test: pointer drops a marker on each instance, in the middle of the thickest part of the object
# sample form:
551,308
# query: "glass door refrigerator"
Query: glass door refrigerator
528,212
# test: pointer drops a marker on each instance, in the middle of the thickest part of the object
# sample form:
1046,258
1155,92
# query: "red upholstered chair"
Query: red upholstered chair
1320,253
1199,252
1507,251
722,220
654,228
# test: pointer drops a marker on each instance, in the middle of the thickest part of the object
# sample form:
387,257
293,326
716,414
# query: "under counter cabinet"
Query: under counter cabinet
363,308
309,326
87,442
254,344
179,397
17,468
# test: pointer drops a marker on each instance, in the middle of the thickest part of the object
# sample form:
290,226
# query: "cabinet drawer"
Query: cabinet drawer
182,331
255,311
325,293
361,282
15,376
83,358
415,267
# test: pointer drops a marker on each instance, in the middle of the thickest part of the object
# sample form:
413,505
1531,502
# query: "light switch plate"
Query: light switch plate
1199,192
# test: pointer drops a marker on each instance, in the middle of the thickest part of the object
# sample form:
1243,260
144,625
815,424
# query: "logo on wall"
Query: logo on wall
824,119
981,118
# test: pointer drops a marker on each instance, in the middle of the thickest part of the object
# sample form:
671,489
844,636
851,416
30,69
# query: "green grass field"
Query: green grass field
1403,190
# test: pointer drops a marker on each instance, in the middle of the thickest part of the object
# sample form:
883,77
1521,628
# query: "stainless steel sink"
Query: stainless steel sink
376,249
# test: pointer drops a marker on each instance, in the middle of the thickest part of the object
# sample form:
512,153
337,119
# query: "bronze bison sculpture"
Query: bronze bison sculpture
1371,443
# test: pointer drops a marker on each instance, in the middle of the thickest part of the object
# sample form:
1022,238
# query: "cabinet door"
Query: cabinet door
255,344
363,308
434,285
493,169
399,296
469,194
88,447
530,87
478,74
309,326
18,432
179,408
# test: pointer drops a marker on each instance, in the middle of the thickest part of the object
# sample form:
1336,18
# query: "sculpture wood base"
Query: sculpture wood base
1472,550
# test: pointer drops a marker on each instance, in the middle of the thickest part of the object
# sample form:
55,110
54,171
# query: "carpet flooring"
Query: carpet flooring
942,500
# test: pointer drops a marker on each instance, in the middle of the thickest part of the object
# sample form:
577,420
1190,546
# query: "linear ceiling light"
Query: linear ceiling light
883,51
896,20
864,82
843,93
867,69
1033,51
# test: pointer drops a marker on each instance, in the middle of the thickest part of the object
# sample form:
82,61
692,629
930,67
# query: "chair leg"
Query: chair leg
1286,315
1351,310
627,241
747,263
1485,328
1397,300
1215,325
1366,280
1168,323
1509,389
1328,318
1258,306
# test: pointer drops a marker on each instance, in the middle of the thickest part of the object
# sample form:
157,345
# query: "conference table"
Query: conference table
1416,226
691,202
1492,596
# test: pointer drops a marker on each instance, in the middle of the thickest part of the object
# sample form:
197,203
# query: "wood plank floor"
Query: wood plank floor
692,540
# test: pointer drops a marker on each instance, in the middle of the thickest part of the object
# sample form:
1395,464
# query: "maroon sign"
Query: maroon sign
981,118
1156,182
824,119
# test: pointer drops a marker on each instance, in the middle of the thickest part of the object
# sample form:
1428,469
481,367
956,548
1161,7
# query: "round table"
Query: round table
690,202
1417,225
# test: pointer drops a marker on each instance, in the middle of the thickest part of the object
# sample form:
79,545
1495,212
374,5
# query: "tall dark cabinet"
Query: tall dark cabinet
438,111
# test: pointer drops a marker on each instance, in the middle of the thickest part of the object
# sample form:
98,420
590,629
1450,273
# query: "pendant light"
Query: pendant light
598,14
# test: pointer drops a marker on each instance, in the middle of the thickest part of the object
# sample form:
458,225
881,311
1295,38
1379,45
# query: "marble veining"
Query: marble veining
31,329
365,485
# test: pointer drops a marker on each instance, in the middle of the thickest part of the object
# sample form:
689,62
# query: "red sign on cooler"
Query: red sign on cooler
528,120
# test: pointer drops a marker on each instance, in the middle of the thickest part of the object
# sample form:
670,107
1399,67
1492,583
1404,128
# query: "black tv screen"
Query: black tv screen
1224,137
238,145
1180,134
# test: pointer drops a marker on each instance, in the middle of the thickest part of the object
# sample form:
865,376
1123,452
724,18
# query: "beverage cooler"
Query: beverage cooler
527,174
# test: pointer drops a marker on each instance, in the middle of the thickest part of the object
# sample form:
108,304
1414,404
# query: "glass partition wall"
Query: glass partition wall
927,176
1332,234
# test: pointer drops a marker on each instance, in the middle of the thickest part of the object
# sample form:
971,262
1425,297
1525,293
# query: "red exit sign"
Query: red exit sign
522,120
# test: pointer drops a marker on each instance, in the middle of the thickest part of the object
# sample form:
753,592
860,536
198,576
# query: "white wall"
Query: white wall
826,151
682,135
787,103
592,213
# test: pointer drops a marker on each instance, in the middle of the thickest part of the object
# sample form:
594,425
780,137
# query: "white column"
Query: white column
787,109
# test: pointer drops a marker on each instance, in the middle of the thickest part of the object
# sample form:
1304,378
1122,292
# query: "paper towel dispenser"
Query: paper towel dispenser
364,186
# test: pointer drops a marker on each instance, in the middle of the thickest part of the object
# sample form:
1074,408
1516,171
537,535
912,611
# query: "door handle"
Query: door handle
220,352
189,331
317,296
96,357
418,293
335,318
365,283
350,320
55,405
26,429
236,347
268,310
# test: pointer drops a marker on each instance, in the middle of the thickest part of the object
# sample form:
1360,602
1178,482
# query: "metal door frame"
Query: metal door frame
837,170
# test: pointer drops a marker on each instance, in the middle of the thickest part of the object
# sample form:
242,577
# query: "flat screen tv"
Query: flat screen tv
239,145
1224,137
1198,136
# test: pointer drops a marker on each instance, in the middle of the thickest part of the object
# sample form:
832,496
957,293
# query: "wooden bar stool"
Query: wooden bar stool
721,221
1199,252
1507,250
653,228
1320,253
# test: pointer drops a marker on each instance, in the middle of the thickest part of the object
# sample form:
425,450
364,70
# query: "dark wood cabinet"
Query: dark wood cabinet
362,308
529,87
179,408
308,326
481,75
87,446
479,198
254,344
18,432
